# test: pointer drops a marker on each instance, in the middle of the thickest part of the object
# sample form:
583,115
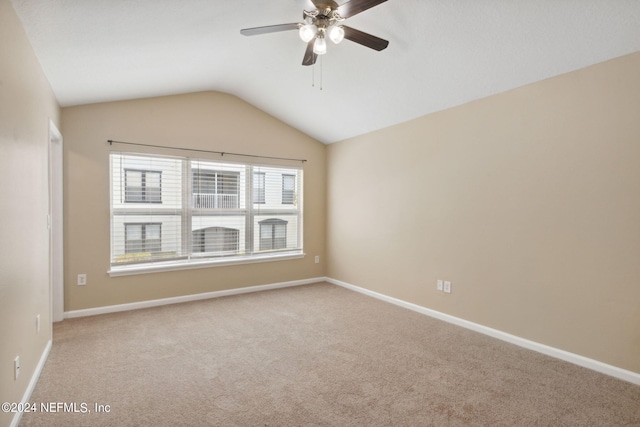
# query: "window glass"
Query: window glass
176,208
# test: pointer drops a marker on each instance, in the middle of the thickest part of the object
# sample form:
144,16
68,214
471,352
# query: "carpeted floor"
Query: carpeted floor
310,355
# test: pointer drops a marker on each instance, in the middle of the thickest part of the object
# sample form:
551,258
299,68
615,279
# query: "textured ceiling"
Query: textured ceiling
441,53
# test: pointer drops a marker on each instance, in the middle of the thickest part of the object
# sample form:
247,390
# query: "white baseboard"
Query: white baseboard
32,383
576,359
614,371
185,298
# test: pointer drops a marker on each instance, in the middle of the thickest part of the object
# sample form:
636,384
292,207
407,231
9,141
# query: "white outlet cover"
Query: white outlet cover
16,367
439,285
447,287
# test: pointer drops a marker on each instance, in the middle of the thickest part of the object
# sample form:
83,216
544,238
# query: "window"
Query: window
177,210
143,186
273,234
142,238
288,189
258,187
215,189
215,240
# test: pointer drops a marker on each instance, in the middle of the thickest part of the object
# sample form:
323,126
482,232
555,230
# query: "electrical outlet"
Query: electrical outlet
317,259
16,367
38,324
439,285
447,287
82,279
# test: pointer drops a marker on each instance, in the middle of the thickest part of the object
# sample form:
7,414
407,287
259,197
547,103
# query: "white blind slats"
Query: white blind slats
165,208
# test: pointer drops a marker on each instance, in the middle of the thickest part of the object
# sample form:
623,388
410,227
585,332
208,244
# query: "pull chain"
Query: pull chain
313,74
321,72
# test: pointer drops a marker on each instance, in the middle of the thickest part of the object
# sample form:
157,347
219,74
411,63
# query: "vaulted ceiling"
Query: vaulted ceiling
441,53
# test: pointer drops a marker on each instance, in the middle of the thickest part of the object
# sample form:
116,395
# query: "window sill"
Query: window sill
158,267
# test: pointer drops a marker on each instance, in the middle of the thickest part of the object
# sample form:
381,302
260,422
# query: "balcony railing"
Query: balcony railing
215,201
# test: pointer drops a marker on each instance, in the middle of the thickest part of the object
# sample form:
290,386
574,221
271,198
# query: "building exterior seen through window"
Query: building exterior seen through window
258,187
216,240
142,237
288,189
176,208
142,186
273,234
215,189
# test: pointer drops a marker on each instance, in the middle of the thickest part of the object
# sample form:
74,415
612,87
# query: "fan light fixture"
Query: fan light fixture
317,24
336,34
320,46
326,21
308,32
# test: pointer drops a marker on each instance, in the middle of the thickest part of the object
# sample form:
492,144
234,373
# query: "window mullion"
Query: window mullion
215,190
248,212
187,210
160,195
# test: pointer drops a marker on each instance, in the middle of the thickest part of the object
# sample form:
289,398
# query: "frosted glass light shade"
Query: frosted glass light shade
320,46
336,34
308,32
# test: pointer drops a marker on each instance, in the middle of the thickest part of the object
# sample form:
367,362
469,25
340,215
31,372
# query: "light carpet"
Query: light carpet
314,355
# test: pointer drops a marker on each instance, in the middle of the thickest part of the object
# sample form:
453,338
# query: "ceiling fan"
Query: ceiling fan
326,20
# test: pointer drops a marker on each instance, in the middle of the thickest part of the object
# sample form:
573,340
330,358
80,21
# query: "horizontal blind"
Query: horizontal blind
171,208
147,208
218,209
277,212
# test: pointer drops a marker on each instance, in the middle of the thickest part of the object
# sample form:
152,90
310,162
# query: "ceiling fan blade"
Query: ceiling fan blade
360,37
353,7
269,29
309,55
324,4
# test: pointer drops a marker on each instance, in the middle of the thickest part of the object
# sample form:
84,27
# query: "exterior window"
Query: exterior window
215,239
175,210
142,238
215,189
273,234
142,186
288,189
258,187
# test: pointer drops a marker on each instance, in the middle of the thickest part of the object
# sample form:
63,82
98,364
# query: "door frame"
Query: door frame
55,221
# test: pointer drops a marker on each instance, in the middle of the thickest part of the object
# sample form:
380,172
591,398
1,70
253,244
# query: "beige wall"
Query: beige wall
26,105
207,121
528,201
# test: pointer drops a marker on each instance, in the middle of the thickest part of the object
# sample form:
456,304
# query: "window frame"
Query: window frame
219,187
275,224
225,230
291,198
143,185
259,190
143,237
252,210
